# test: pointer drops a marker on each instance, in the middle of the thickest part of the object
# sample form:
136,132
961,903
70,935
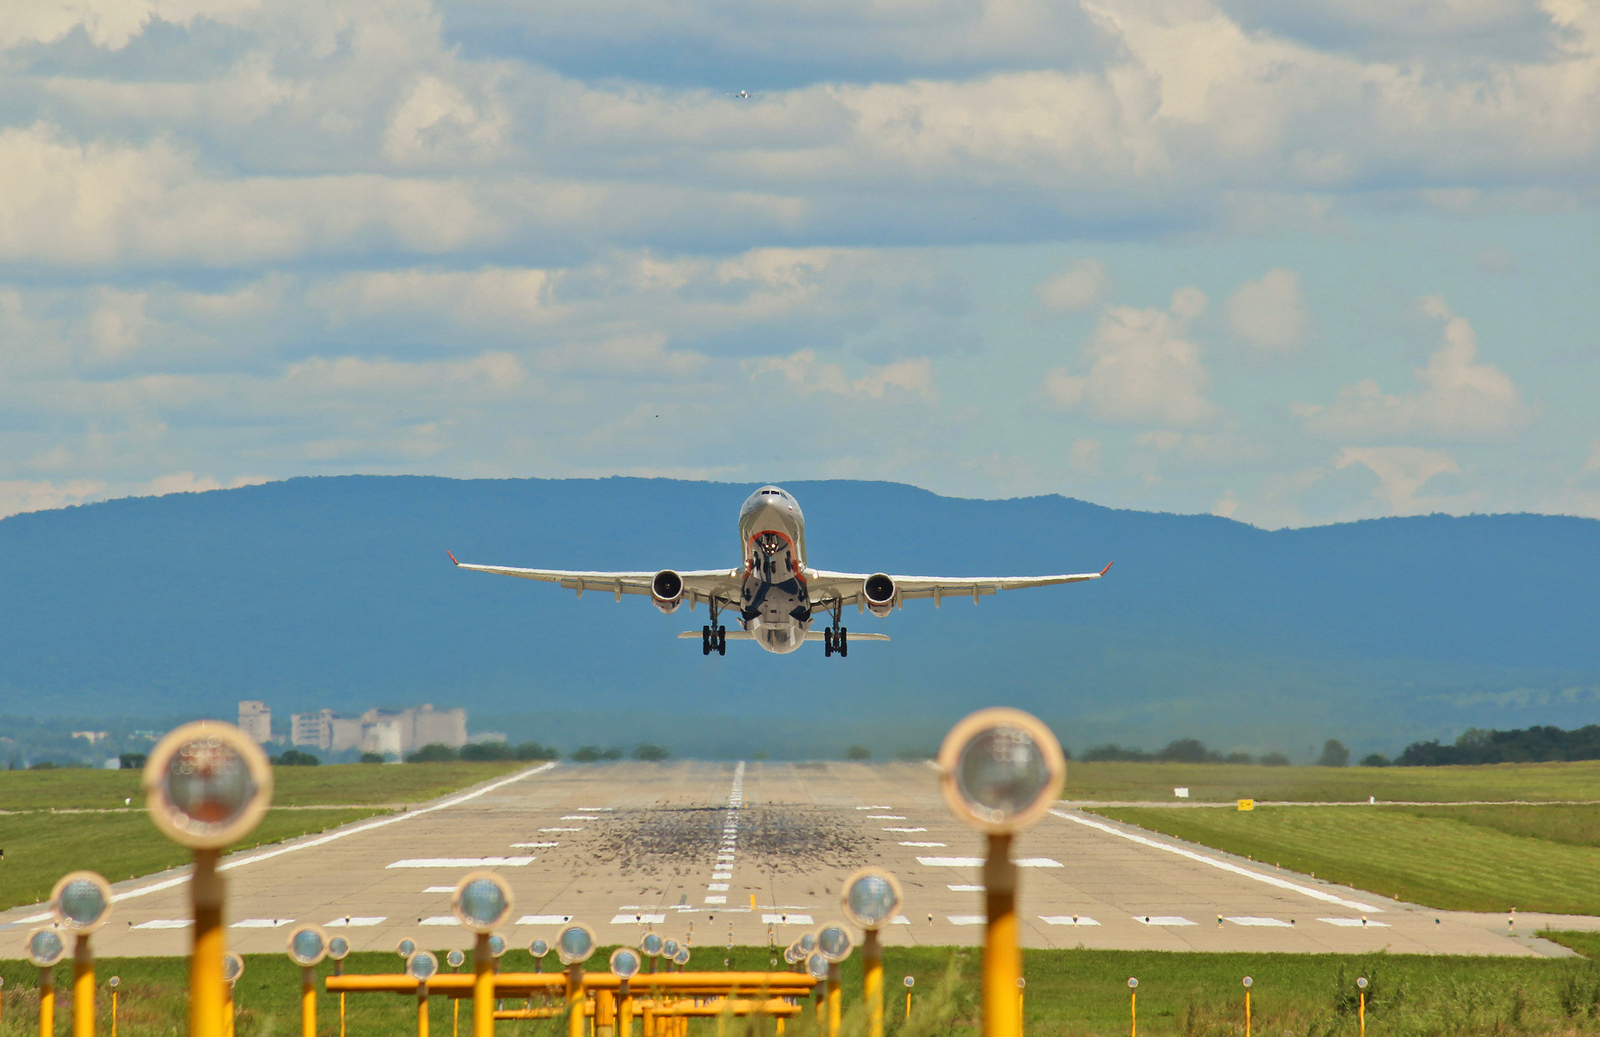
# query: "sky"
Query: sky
1288,261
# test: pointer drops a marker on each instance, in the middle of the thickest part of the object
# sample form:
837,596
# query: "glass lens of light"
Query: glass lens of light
788,955
872,900
497,945
46,946
338,947
682,957
207,785
1001,772
483,901
808,942
625,962
817,966
574,943
833,943
455,958
539,948
82,902
422,965
232,967
670,949
651,944
407,948
306,946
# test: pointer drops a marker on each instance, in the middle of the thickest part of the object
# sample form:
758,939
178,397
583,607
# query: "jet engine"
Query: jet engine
666,590
879,591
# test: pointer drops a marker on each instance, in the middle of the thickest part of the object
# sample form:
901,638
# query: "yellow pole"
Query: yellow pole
575,1001
1021,1016
338,970
308,1002
483,988
205,959
82,987
1002,962
455,1017
647,1020
605,1014
835,1001
908,1002
422,1010
1133,1013
113,1013
1363,1011
47,1002
872,982
1246,1012
229,1015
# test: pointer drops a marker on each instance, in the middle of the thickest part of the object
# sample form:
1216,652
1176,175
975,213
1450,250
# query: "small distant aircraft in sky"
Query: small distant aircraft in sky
743,95
776,594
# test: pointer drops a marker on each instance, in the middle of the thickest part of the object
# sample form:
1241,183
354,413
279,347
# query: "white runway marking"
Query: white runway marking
1271,880
355,922
786,919
717,887
900,920
1038,862
966,919
442,920
724,856
463,862
879,806
1355,923
639,920
595,809
716,900
533,846
1248,920
885,817
950,862
560,829
722,874
260,923
440,889
166,923
577,817
965,888
1162,920
930,846
1067,920
544,919
906,830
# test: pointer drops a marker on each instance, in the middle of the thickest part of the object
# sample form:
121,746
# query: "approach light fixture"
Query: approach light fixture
651,944
817,966
834,943
45,947
422,966
482,901
574,944
338,948
1000,769
308,945
232,967
871,898
81,902
456,959
406,947
497,945
625,962
207,784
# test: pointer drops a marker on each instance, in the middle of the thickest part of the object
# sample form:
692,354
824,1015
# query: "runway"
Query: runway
754,853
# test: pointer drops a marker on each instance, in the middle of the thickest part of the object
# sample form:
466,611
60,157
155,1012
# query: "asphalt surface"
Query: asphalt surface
756,853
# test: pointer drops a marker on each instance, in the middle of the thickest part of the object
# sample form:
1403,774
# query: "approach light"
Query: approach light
497,945
45,947
669,950
406,947
308,945
808,942
81,901
338,948
834,943
538,948
788,954
1000,769
1133,984
422,966
625,962
682,957
482,901
575,944
456,959
207,784
651,944
232,967
871,898
817,966
1248,982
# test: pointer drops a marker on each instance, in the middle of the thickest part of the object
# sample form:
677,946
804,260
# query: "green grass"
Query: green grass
1539,782
1070,993
1584,942
351,783
1468,859
41,847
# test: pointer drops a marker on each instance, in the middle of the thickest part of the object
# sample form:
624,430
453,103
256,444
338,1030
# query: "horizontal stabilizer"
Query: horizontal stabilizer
811,635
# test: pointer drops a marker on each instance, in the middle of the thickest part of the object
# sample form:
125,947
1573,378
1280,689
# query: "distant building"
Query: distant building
315,729
91,736
381,731
255,720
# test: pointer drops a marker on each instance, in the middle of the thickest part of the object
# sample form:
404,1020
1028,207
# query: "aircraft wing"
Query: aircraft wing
698,585
828,588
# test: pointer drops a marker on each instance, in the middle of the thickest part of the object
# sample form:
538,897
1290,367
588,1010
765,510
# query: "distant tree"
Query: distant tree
1374,760
481,752
371,758
535,751
761,754
652,753
1239,758
433,752
295,758
1112,751
43,765
1274,760
858,752
1188,750
611,754
1524,745
587,754
132,761
1334,754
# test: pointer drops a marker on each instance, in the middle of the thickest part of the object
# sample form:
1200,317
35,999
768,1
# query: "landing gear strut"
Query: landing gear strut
714,636
835,638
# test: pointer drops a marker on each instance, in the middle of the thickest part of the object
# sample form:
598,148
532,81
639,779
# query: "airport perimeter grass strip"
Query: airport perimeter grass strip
1224,783
1070,993
1419,855
349,783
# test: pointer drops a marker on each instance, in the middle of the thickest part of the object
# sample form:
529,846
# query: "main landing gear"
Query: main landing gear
835,638
714,636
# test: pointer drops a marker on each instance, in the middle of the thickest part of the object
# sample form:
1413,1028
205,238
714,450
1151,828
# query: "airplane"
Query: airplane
775,593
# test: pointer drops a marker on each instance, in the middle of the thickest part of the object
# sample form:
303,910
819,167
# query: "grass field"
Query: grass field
351,783
1070,993
1215,782
1475,858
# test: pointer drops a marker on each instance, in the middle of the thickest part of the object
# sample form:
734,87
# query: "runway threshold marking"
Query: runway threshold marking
1233,869
441,920
462,862
786,919
639,920
1355,923
259,923
977,862
440,889
927,846
166,923
544,920
1248,920
1162,920
905,830
966,919
323,840
1067,920
355,922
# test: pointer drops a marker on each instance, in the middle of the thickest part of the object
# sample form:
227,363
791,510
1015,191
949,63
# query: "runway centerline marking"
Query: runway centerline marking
544,920
1355,923
1162,920
463,862
1250,920
1234,869
354,921
1067,920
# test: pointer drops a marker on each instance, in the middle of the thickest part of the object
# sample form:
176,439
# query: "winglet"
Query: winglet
452,557
1102,571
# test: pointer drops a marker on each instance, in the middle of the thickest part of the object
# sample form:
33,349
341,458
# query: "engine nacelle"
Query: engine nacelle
879,592
666,590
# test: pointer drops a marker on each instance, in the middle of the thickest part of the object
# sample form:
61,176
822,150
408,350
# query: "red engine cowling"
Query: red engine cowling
879,592
666,590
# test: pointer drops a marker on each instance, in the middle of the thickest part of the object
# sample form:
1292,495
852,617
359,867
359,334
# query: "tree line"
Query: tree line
1478,745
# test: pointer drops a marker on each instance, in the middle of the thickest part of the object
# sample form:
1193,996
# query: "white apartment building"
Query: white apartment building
381,731
255,720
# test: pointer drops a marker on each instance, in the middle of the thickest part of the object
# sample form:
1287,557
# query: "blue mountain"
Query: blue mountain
338,592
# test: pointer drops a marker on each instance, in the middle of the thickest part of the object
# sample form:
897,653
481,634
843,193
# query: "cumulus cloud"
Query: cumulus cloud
1079,287
1401,472
1458,397
805,374
1269,314
1142,370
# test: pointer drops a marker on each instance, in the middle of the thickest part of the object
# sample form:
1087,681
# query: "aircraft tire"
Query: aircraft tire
722,640
827,643
705,640
844,642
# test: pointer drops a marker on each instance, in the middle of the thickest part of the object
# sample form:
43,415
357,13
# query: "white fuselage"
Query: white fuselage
775,603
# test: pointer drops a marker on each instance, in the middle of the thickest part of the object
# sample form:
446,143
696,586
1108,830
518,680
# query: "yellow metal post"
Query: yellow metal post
47,1002
835,1000
1363,1013
483,988
1133,1013
205,958
647,1020
422,1010
624,1011
575,1000
308,1002
82,987
1246,1012
1021,1015
1002,961
113,1013
872,982
338,970
908,1002
605,1016
227,1010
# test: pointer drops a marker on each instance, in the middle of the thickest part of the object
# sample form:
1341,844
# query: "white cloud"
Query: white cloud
1458,398
805,374
1401,472
1142,370
1086,456
1079,287
1270,313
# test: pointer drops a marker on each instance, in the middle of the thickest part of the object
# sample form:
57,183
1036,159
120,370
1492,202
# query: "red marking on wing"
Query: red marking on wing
452,557
1107,568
